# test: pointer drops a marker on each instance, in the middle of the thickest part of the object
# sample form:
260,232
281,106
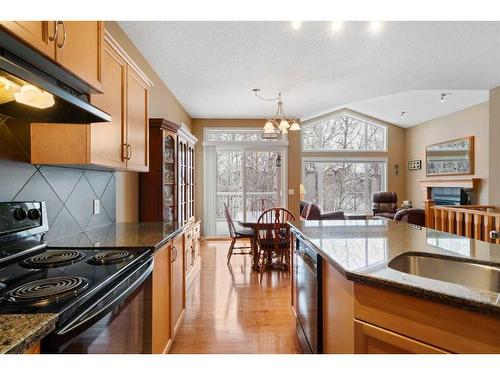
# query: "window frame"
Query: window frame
344,111
353,159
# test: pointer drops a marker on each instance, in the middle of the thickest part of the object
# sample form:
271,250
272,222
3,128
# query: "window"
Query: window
240,135
343,185
343,131
241,172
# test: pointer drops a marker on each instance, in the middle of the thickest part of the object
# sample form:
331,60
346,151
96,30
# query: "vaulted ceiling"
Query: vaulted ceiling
212,67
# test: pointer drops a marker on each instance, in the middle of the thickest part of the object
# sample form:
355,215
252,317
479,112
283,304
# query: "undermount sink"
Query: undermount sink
448,269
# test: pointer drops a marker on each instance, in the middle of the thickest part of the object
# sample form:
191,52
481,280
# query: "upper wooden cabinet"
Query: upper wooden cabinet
38,34
104,151
121,144
76,45
79,48
137,121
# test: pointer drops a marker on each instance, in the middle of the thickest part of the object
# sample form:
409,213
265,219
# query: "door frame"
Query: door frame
210,149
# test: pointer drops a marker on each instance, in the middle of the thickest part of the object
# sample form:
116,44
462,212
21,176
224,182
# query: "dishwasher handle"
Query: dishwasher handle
311,263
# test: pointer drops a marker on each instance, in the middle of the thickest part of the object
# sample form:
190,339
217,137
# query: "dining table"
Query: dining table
251,224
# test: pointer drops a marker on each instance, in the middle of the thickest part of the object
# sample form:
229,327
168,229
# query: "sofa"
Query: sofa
414,216
311,211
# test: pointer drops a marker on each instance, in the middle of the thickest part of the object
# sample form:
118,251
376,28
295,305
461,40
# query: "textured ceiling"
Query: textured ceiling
211,67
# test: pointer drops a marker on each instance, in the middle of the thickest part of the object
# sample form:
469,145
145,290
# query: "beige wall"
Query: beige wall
162,103
471,121
494,147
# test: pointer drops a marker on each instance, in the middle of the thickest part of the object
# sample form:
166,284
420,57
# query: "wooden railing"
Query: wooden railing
474,221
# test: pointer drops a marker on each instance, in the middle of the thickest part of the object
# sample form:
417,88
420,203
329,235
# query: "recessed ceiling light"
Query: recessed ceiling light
376,26
336,26
296,25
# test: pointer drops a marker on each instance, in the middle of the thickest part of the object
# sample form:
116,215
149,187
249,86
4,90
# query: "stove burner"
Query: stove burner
42,292
111,257
53,258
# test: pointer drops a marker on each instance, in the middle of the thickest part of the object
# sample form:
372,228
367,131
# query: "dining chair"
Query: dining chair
273,238
258,206
237,234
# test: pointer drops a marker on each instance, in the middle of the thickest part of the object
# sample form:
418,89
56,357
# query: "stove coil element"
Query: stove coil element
53,258
43,292
111,257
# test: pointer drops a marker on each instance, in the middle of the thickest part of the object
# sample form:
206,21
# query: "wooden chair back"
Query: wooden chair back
230,223
272,226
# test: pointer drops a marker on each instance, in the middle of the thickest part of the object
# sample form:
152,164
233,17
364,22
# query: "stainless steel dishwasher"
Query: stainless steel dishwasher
307,273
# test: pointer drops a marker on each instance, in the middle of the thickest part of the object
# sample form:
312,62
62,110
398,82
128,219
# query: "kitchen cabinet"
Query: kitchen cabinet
76,45
402,323
192,258
137,122
37,34
370,339
178,291
186,174
158,187
161,329
121,144
33,349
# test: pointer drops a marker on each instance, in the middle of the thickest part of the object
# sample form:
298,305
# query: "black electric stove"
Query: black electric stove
84,286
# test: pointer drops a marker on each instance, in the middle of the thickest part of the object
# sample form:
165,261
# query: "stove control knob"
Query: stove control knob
19,214
34,214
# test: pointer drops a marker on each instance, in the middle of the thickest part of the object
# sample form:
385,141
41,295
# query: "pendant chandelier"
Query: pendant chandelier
279,123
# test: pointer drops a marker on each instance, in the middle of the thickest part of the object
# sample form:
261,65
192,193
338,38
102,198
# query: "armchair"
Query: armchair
384,204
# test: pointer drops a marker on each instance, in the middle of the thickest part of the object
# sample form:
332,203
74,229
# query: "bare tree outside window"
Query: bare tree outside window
343,132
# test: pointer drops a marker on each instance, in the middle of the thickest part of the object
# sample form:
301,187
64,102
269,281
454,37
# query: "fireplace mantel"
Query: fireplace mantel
469,183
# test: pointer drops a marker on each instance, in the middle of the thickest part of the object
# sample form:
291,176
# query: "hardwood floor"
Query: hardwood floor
228,311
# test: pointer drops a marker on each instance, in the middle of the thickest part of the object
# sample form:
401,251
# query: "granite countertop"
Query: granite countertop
19,332
361,249
145,234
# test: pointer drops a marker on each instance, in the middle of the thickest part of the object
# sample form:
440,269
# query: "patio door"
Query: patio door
248,182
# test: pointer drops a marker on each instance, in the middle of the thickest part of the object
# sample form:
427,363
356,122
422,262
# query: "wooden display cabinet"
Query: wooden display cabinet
158,187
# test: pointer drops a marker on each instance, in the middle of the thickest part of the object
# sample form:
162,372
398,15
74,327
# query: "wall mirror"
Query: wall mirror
455,157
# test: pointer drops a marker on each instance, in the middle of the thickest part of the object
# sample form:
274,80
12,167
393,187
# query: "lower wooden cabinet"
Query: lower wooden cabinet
161,330
192,256
178,291
370,339
33,349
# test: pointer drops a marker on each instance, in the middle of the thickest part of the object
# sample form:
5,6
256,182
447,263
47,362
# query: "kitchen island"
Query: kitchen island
368,306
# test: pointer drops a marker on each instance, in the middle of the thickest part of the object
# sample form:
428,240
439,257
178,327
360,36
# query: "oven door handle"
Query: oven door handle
96,312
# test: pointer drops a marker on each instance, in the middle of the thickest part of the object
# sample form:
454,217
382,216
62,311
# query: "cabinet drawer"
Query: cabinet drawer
370,339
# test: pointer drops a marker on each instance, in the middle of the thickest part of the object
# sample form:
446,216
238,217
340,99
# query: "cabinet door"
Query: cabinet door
107,138
38,34
80,46
370,339
177,301
137,122
161,329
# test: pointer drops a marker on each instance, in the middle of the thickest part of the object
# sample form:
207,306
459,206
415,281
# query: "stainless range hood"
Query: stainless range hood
54,95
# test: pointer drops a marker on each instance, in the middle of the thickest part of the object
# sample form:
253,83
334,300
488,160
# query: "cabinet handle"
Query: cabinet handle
174,258
56,29
61,45
124,151
129,152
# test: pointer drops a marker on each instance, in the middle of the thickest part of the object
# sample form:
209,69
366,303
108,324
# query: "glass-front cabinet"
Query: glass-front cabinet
186,154
167,190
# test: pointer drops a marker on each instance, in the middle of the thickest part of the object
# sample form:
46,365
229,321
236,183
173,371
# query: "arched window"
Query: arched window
342,132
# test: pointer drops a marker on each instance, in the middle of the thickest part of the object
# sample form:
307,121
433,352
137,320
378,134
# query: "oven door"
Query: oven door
117,323
308,298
